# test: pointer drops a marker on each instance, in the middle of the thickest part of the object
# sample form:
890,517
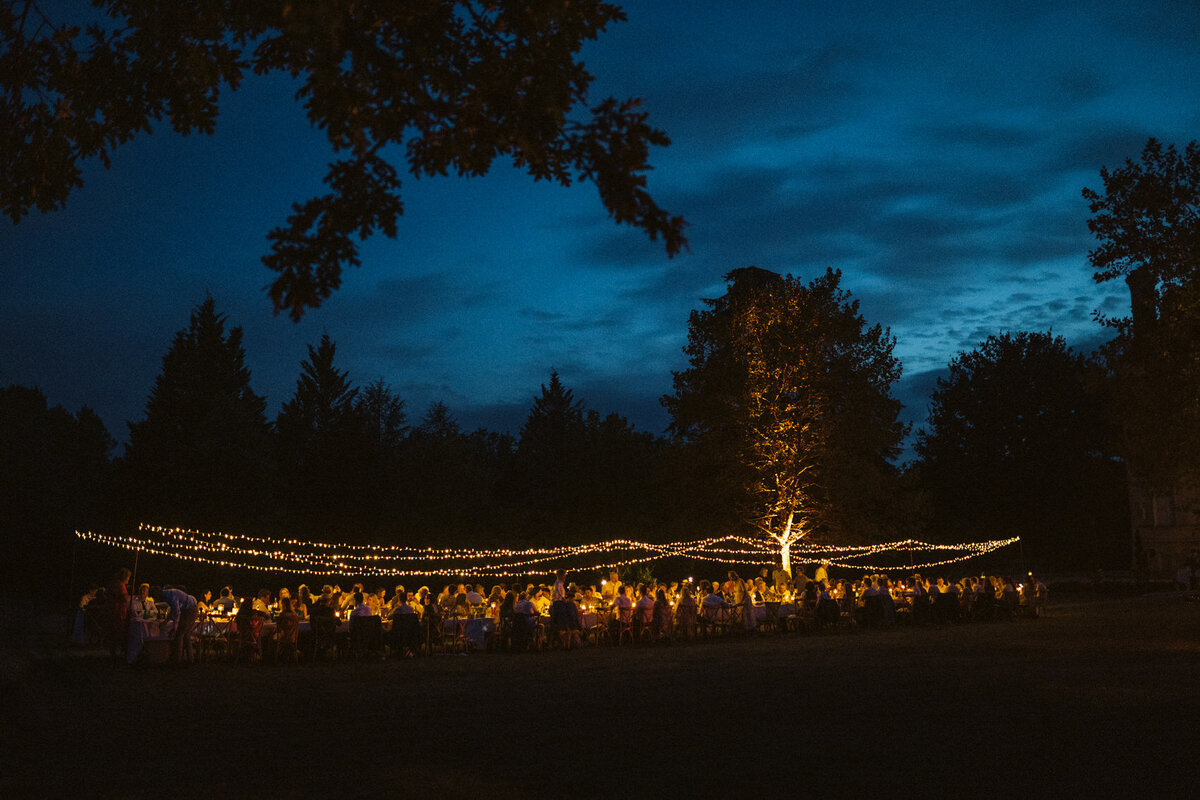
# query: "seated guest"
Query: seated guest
398,599
564,616
361,608
303,603
461,607
885,597
366,631
525,619
474,595
277,606
445,600
372,599
346,601
225,603
623,604
249,623
262,602
406,626
712,599
685,612
325,604
204,602
827,608
143,607
323,621
661,615
424,601
645,607
287,631
541,600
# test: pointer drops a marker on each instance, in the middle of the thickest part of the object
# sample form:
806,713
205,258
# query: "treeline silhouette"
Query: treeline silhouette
344,462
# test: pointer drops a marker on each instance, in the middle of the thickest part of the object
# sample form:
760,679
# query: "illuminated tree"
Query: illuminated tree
441,86
788,401
1147,221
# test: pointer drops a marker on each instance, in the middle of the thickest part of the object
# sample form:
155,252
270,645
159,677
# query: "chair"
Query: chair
730,617
709,619
366,636
324,635
770,620
454,634
598,630
249,631
685,621
624,620
287,632
406,634
828,613
215,636
873,611
644,624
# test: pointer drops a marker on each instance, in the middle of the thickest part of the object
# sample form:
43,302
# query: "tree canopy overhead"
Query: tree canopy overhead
438,86
1147,222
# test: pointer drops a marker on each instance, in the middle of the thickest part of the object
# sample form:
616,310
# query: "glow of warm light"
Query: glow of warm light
240,551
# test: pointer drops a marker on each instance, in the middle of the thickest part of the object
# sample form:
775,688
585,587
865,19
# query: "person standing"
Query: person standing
610,589
183,610
118,616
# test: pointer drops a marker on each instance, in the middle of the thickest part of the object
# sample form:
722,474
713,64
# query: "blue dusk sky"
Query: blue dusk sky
934,152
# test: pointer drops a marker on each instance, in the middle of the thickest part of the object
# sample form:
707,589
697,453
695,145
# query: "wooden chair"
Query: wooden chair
287,633
324,635
624,620
366,637
454,634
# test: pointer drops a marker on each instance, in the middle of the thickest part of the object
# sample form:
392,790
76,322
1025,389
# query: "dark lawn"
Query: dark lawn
1100,698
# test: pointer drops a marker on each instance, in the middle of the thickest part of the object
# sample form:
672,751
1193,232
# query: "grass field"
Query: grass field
1100,699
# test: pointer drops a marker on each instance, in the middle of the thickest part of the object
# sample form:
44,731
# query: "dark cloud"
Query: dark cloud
1091,148
985,136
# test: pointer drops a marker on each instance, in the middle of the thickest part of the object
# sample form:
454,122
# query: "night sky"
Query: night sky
933,152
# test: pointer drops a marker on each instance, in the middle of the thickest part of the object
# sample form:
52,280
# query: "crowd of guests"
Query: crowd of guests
525,615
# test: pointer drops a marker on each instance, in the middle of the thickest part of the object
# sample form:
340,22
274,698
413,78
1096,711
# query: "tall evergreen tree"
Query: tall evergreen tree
202,454
323,442
385,430
550,452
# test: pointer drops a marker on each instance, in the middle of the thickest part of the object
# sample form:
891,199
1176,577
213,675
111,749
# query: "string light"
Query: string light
241,551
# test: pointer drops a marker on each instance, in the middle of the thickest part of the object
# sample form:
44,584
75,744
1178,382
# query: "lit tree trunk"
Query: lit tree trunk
785,544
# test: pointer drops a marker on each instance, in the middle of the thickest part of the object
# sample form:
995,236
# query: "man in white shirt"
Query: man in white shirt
611,588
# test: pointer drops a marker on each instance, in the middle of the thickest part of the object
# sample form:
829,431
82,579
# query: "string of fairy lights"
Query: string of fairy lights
281,555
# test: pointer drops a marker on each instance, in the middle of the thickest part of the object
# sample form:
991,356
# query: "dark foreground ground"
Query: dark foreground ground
1099,699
